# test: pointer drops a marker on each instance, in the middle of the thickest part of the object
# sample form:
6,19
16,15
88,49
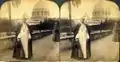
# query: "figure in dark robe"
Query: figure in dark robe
81,42
18,48
116,32
23,44
83,37
56,32
56,38
76,49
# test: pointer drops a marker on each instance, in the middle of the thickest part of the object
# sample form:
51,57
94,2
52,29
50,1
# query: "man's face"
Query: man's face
82,21
24,21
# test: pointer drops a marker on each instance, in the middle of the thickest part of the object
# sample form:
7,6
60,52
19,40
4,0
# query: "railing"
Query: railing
98,31
7,37
4,35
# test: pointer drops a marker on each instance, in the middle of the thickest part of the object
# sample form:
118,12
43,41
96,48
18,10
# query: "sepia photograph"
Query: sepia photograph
59,30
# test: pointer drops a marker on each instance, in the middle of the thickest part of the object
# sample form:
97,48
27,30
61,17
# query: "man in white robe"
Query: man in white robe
24,36
83,37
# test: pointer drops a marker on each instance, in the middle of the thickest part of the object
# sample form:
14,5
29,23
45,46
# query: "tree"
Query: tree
76,2
14,3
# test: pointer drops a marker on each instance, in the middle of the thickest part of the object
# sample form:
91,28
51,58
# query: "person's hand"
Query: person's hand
76,39
18,39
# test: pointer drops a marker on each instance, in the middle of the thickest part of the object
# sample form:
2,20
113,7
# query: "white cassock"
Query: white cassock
24,36
83,36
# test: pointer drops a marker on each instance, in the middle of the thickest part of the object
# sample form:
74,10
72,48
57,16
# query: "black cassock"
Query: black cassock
56,33
76,48
18,51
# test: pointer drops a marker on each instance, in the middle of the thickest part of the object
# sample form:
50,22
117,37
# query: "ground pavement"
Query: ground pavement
44,49
103,49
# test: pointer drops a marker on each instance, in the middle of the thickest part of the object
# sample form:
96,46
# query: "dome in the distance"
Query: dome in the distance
45,9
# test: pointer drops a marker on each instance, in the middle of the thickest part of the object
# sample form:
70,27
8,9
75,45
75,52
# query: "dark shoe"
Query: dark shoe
75,58
25,58
85,58
80,58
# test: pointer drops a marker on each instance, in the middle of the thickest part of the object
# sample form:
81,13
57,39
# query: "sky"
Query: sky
26,7
88,7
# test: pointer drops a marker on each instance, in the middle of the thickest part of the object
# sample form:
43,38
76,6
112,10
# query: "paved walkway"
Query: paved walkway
41,49
101,50
44,49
